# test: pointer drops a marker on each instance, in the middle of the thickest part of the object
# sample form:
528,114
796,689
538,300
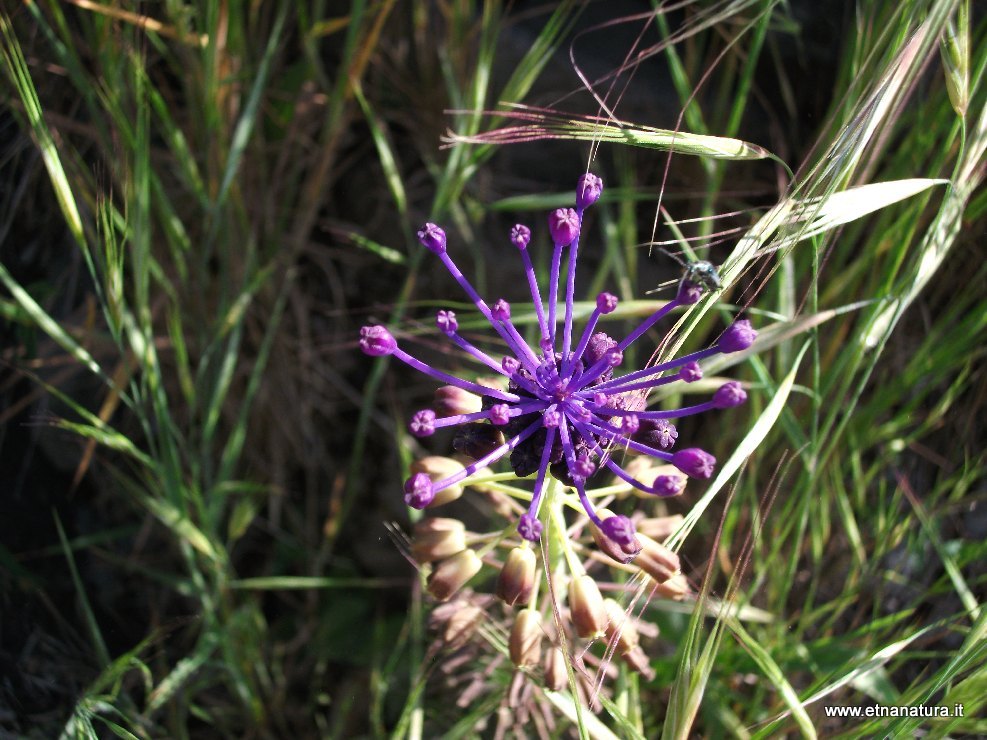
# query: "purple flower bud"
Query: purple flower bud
630,424
668,485
545,345
520,236
598,346
499,414
588,190
583,467
551,418
418,491
620,529
422,424
740,335
510,365
446,321
433,237
529,527
563,224
600,398
694,462
729,395
657,433
614,357
501,310
606,303
690,372
689,293
377,341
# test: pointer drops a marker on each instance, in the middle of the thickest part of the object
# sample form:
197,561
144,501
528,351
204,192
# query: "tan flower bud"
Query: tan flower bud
608,546
525,642
461,626
589,616
436,538
675,588
438,468
556,677
641,468
517,578
481,487
452,574
451,400
493,381
620,627
638,661
656,560
659,528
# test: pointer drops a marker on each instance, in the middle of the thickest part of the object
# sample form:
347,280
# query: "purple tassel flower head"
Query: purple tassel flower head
561,409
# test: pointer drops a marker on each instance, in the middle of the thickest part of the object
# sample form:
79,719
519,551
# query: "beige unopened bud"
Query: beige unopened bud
439,468
452,574
525,642
675,588
461,626
638,661
436,538
556,678
479,473
589,616
608,546
641,468
517,578
659,528
450,400
493,381
620,627
656,560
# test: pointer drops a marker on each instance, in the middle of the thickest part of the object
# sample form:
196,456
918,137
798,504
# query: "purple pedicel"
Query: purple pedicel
559,410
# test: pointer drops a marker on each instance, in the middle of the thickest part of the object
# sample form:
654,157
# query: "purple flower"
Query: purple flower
446,321
694,462
563,223
588,190
433,237
560,410
422,424
739,336
729,395
620,529
419,491
520,236
376,341
668,485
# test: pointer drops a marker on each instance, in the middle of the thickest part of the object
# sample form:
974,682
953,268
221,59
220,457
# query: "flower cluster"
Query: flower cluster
561,409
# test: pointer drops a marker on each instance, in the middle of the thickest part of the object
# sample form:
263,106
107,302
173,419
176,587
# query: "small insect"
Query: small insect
695,272
702,273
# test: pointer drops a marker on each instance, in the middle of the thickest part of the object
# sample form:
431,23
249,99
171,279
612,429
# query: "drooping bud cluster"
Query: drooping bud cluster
561,408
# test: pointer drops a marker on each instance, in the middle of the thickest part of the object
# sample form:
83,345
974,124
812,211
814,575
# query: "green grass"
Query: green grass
200,212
